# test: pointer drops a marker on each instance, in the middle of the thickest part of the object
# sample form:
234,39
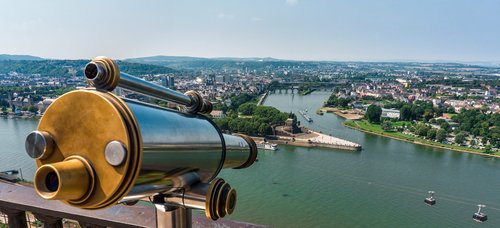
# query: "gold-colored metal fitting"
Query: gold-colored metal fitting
197,102
82,123
220,199
219,204
71,180
230,201
210,211
103,73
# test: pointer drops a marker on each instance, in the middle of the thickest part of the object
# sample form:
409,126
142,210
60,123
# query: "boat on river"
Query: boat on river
303,114
267,146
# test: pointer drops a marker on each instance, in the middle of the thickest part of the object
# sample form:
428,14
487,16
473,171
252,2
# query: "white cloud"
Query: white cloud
224,16
292,2
256,19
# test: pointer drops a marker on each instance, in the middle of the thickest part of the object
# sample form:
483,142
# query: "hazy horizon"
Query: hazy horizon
361,30
489,63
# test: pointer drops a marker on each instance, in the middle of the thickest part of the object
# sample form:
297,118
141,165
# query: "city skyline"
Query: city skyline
456,31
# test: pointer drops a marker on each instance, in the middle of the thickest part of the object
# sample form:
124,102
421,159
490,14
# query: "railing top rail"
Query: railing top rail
24,198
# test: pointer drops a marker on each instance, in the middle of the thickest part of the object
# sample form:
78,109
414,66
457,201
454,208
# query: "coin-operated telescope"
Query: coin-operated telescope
94,149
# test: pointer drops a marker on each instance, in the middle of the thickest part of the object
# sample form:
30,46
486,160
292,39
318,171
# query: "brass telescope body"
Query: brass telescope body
94,149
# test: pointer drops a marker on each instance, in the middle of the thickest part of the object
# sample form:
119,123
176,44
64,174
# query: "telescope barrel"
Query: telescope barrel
103,73
237,156
125,149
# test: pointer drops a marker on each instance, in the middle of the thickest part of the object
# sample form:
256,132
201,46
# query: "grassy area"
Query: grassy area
365,126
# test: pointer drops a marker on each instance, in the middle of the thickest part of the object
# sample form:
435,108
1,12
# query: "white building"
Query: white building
390,113
218,114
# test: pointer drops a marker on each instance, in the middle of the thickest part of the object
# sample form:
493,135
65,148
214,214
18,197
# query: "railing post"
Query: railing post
173,217
17,218
49,221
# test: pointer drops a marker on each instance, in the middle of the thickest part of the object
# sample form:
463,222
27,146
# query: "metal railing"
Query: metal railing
21,207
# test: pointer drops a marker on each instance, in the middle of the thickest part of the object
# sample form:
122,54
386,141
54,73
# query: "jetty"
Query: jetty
324,140
262,98
292,133
10,176
311,138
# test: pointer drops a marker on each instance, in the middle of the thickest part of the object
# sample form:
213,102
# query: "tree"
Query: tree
460,138
236,101
247,108
343,102
416,112
373,113
432,133
33,108
332,100
4,109
387,125
445,126
428,114
3,103
264,129
260,123
421,129
405,112
441,135
488,150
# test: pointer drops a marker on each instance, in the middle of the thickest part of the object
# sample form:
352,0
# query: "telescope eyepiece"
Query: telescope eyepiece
71,180
93,70
52,181
102,73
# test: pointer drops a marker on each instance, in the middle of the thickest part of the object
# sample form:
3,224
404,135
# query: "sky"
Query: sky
363,30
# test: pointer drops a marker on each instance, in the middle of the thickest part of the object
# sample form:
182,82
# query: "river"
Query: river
383,185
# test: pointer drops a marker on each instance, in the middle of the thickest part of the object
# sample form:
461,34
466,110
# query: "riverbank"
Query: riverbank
262,98
411,139
346,114
20,116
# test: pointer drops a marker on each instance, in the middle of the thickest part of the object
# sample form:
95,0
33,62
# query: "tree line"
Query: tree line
335,101
252,120
60,68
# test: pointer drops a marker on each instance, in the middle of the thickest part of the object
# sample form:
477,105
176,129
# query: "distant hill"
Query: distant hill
62,67
196,63
19,57
164,59
257,59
